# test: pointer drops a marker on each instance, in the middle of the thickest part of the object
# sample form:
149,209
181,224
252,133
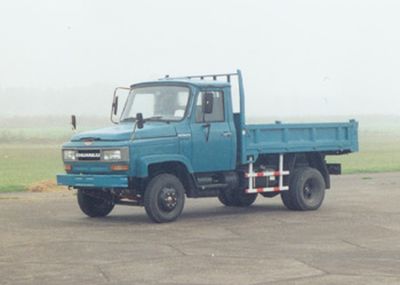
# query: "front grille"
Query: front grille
88,154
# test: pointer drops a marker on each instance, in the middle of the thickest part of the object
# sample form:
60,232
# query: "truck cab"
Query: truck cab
179,137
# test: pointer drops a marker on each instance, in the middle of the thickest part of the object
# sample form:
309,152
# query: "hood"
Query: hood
123,132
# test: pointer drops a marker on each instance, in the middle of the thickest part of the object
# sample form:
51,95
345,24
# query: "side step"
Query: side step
213,186
209,190
207,193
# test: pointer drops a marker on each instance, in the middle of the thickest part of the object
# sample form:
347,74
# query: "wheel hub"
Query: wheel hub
308,191
167,199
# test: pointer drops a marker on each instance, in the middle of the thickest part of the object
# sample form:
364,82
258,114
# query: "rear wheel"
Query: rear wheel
96,205
226,198
236,198
164,198
243,199
306,190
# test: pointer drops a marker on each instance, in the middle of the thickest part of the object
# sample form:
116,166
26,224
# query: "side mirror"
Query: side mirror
139,120
115,105
207,104
73,122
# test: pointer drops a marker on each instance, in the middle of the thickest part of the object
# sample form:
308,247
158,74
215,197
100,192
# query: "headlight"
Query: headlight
69,154
112,154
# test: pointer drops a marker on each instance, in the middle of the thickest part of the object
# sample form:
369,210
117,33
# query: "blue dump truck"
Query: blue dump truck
179,137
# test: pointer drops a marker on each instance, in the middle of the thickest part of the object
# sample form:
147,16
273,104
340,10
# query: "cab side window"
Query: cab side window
217,114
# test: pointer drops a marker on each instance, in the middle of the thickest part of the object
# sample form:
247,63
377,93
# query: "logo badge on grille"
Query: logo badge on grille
88,155
88,142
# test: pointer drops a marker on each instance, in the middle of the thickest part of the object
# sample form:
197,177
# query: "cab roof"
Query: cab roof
192,82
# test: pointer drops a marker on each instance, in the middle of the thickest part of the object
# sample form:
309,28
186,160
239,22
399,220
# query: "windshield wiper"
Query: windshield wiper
149,119
129,119
156,118
153,118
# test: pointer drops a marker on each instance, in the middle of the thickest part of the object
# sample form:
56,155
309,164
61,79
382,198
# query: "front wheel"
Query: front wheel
95,206
306,190
164,198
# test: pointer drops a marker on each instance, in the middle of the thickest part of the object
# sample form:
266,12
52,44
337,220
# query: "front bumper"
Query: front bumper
93,181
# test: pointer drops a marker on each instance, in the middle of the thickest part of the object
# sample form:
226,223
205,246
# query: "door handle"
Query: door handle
226,134
207,127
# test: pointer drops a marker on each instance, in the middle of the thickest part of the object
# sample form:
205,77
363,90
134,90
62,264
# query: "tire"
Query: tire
306,190
164,198
269,194
243,199
226,198
93,206
236,198
287,200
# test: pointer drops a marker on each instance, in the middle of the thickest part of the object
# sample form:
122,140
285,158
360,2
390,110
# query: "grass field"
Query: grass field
34,135
379,152
29,155
23,164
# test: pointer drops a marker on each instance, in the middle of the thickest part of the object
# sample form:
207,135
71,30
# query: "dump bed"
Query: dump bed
329,138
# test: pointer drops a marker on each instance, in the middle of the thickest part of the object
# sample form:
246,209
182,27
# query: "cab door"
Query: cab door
213,140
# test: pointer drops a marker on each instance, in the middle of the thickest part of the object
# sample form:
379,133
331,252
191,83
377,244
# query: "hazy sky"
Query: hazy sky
298,57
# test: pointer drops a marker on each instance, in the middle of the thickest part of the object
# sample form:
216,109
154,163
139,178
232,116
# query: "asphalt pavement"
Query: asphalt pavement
353,239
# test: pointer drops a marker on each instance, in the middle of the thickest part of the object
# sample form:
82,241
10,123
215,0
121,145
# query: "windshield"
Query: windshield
164,103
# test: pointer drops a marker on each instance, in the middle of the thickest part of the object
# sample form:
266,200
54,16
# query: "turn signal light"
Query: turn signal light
67,167
119,167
